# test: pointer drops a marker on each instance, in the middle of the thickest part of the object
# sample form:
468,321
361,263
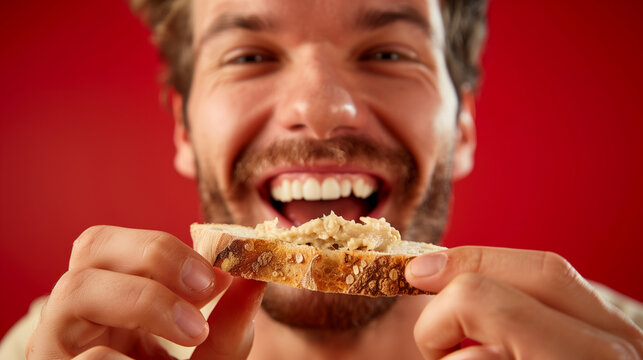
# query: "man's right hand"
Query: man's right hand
125,285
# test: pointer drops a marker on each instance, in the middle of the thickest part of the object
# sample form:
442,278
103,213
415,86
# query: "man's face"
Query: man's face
301,107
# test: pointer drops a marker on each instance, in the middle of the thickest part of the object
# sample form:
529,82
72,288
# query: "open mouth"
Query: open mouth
299,197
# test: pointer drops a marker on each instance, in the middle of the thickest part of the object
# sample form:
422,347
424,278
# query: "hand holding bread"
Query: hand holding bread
125,287
517,304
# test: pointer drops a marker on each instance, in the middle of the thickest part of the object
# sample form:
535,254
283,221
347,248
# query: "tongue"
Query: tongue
300,211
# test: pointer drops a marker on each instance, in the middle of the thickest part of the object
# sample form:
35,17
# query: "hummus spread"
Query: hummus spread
335,232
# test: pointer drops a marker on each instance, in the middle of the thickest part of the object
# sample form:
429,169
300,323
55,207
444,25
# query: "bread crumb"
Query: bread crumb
350,279
355,269
265,258
362,263
299,257
249,246
393,275
388,287
225,265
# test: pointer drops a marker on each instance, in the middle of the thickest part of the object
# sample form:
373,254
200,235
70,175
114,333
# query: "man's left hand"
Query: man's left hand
516,304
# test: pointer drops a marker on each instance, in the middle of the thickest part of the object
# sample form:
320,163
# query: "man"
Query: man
380,91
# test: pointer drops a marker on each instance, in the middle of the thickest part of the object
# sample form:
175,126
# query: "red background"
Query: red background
83,139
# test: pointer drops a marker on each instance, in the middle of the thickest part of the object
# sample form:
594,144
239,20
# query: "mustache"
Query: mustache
344,150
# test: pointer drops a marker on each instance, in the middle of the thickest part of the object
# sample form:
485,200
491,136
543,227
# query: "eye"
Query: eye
248,57
252,59
389,54
384,55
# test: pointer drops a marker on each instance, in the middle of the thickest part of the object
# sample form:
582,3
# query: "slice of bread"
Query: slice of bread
241,252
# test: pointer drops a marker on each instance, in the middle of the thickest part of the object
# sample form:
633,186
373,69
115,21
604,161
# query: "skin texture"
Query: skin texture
335,79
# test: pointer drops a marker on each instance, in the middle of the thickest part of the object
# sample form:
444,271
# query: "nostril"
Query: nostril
322,112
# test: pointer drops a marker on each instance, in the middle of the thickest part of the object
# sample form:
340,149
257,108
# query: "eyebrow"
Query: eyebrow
231,21
369,19
374,19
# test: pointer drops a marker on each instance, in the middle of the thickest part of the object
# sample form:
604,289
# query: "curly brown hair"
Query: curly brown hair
465,22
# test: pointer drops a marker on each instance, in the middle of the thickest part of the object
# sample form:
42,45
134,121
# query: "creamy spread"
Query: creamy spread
335,232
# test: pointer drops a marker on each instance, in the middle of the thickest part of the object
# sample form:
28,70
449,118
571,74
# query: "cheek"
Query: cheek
211,134
421,118
223,121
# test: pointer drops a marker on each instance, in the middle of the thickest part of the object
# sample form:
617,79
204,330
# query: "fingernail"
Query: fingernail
428,265
196,275
189,320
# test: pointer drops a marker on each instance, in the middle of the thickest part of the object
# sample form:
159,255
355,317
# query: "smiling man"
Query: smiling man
351,111
291,109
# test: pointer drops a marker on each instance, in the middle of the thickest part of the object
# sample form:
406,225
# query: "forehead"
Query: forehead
310,17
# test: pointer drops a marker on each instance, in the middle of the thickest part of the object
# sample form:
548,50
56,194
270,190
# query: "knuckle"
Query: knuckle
65,295
142,299
156,246
68,284
467,286
557,270
470,258
87,242
92,232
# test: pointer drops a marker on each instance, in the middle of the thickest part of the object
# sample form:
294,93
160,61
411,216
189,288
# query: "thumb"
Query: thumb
424,271
231,322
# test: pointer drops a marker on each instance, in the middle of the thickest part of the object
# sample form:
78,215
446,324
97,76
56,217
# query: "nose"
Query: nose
317,100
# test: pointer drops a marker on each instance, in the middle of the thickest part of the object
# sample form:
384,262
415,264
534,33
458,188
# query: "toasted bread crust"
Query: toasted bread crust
354,272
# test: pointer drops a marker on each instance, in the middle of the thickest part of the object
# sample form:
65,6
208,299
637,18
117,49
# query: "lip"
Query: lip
385,184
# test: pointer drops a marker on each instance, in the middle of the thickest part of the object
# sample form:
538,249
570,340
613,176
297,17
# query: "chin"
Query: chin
322,312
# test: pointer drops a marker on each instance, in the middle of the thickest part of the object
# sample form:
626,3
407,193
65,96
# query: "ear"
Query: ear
184,159
465,147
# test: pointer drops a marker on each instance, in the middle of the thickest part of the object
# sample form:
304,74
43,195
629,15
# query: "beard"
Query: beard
332,313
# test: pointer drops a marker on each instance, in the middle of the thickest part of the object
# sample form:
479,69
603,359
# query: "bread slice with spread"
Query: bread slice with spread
326,254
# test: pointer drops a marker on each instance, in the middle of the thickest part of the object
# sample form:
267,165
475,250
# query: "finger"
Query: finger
84,303
481,352
498,315
152,254
231,322
102,353
147,347
543,275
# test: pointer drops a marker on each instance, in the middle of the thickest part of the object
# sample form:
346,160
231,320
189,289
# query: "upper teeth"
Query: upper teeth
325,188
